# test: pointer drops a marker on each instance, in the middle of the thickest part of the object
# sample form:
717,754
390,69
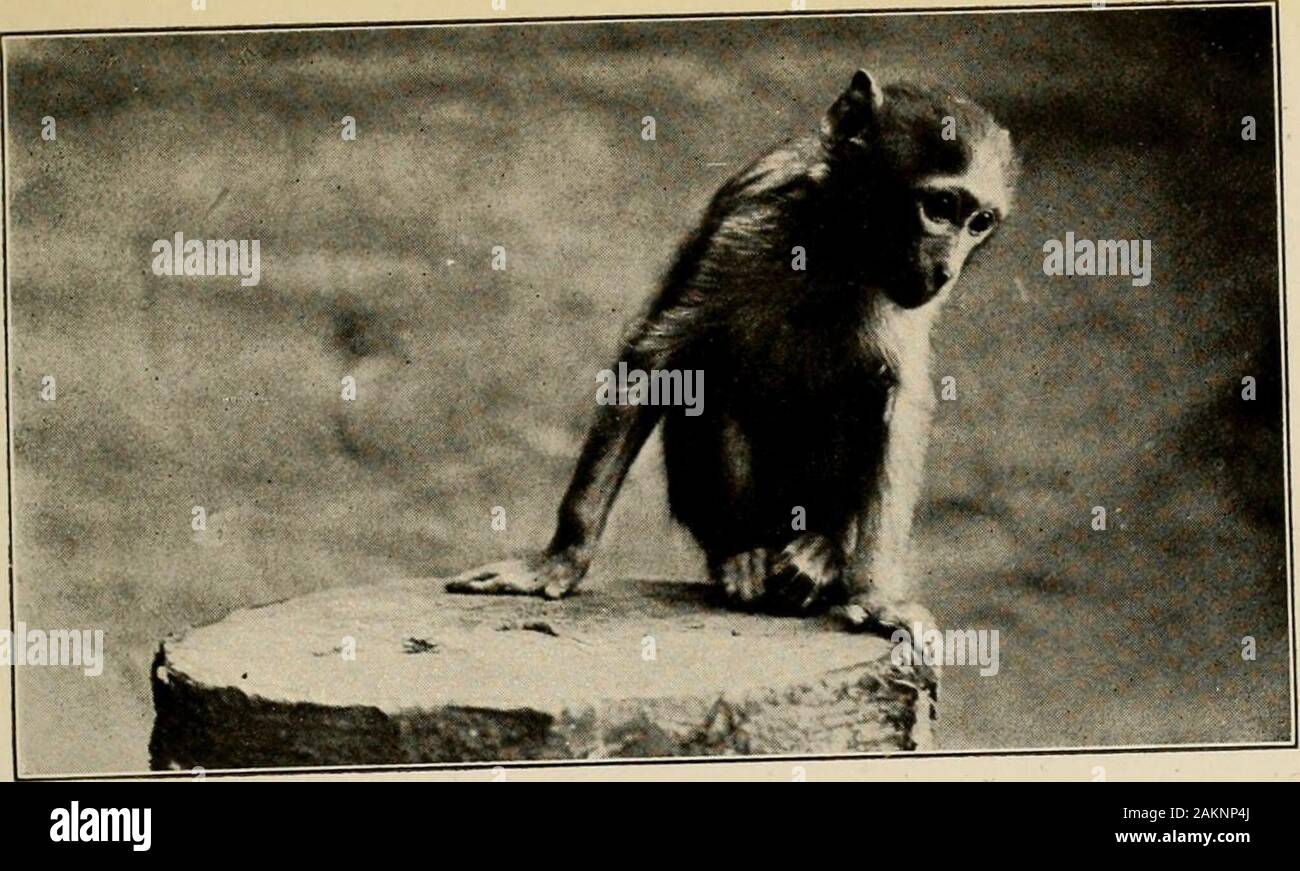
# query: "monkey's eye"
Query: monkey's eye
982,222
942,206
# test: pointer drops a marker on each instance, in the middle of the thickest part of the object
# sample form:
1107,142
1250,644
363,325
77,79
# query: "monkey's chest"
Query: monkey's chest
800,396
794,421
787,367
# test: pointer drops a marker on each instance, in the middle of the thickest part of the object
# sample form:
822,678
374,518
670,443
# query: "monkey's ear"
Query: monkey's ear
855,110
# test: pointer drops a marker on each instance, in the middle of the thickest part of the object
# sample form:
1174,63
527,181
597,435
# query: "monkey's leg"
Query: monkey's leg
877,574
734,510
612,443
792,578
709,462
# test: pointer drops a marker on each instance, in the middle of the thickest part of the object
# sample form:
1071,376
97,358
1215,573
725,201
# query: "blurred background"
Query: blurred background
475,386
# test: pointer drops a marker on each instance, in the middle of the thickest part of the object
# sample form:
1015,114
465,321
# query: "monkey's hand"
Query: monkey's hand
869,611
550,576
805,570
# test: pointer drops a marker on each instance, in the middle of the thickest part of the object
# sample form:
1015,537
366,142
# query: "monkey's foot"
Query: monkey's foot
873,613
805,570
743,574
548,576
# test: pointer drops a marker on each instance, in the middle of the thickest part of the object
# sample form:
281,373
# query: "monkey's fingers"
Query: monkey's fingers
787,587
885,617
802,591
558,588
496,585
743,574
510,577
856,616
754,574
795,589
814,594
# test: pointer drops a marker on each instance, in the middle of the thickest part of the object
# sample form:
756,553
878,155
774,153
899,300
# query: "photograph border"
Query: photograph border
734,765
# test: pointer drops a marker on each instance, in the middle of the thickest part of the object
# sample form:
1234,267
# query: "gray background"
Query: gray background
475,385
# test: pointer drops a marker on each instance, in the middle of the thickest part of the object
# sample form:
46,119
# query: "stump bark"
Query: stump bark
406,673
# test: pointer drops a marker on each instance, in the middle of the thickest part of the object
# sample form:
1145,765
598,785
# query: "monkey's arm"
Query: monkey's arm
613,442
878,569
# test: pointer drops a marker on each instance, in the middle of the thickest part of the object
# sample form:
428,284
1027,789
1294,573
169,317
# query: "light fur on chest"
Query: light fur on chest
902,338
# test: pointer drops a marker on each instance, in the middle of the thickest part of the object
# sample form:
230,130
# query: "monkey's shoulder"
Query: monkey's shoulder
778,350
790,169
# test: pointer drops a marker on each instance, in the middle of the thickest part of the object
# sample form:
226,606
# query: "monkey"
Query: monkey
808,292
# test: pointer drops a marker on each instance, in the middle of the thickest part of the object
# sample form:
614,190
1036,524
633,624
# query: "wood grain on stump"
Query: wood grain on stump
647,669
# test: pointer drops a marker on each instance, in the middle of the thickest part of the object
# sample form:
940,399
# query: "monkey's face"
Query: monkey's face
933,173
947,222
950,214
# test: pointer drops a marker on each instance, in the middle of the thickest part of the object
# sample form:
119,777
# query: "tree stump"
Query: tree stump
405,673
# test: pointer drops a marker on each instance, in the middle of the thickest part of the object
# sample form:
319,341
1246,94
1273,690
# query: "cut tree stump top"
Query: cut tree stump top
406,673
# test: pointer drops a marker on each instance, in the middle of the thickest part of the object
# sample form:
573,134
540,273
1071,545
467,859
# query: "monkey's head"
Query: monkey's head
926,174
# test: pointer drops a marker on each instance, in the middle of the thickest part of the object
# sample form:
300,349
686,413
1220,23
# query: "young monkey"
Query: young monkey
807,293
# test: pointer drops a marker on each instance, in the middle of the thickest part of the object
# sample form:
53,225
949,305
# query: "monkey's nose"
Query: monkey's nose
940,276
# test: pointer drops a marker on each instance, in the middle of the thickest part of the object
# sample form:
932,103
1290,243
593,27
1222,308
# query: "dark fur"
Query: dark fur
800,392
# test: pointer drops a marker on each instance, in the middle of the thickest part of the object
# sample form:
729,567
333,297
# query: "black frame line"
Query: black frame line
399,768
